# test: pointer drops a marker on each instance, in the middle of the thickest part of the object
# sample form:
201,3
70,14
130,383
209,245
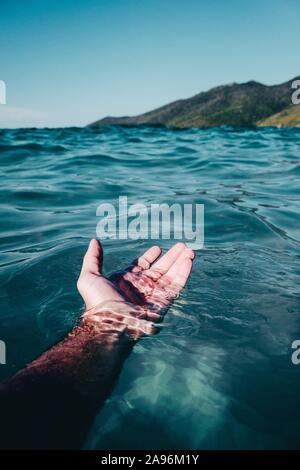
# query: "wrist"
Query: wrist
118,319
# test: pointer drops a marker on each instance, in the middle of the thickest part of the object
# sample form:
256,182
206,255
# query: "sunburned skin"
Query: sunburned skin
52,402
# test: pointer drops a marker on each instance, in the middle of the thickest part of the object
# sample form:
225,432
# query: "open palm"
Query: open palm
150,283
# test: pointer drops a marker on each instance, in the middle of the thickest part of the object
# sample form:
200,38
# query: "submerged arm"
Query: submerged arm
52,402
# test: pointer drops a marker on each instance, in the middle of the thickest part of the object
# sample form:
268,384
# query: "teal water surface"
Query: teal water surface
219,375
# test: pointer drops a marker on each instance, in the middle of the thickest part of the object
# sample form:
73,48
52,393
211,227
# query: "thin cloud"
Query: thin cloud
11,117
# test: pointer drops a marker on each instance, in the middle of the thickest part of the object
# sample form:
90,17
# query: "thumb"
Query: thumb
92,261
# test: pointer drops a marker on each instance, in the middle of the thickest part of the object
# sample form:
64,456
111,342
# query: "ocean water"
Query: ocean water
219,375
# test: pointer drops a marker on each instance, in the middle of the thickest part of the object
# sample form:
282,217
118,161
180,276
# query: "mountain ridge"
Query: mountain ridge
236,104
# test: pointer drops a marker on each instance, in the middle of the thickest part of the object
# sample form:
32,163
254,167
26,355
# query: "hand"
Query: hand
150,283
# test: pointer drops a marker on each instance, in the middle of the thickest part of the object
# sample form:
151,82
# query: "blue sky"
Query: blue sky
70,62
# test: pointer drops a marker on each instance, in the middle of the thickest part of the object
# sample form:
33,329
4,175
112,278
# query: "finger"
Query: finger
92,261
179,272
145,261
184,273
167,260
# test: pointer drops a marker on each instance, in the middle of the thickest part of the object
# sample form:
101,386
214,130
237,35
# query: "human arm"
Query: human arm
52,402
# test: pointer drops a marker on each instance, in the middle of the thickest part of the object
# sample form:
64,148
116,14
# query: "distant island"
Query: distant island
236,104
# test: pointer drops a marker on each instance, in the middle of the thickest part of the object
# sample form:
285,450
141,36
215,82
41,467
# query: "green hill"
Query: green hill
244,104
287,118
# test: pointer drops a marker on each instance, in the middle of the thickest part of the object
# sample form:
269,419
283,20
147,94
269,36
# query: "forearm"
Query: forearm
51,403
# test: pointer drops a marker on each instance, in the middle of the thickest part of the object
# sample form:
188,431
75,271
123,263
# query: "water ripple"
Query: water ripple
205,381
